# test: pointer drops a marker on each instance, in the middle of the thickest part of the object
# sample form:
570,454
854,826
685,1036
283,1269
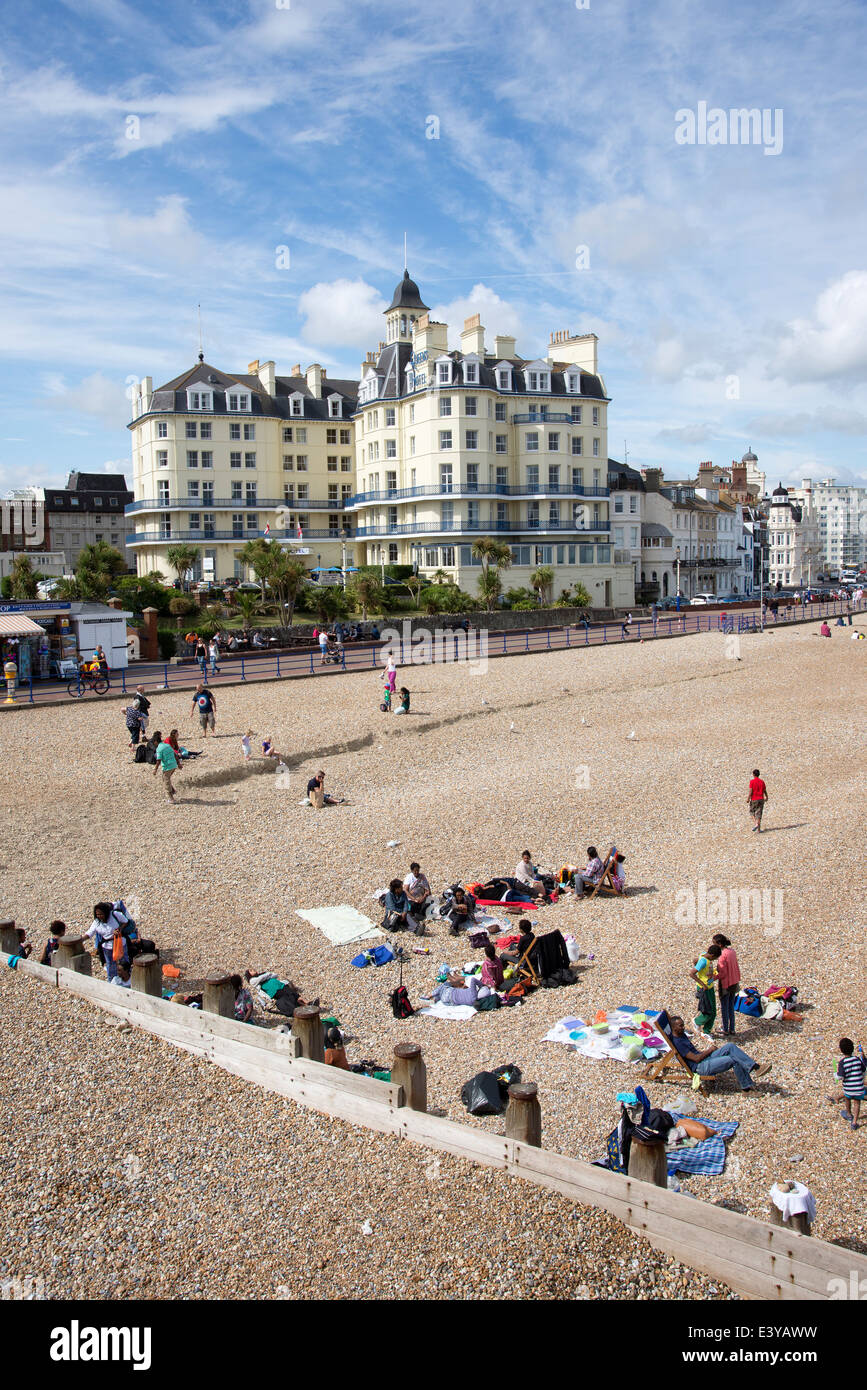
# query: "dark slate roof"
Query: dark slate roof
406,295
780,491
623,478
85,488
652,529
96,482
172,397
589,385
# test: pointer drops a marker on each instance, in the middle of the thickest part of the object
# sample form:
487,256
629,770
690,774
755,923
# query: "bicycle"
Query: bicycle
99,684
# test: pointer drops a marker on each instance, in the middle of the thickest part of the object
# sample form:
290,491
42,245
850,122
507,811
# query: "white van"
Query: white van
701,600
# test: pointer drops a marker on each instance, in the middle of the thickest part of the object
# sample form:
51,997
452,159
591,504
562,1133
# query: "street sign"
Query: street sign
32,606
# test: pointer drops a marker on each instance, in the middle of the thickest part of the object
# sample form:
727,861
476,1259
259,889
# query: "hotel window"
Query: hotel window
335,406
553,441
391,449
471,372
250,494
577,444
297,405
596,480
391,480
234,430
585,554
501,514
195,521
444,373
633,532
162,430
618,535
596,414
473,477
162,458
389,417
345,490
287,435
504,383
191,429
578,479
288,492
192,458
207,458
532,477
331,463
193,489
288,463
346,436
234,460
633,504
301,463
531,443
472,439
445,405
596,448
412,444
207,495
237,400
501,444
331,436
200,400
500,410
554,476
448,553
412,414
237,492
533,515
301,436
472,515
303,492
163,494
431,557
618,505
205,429
576,415
502,477
471,405
252,521
249,431
412,477
249,460
554,515
445,439
573,384
603,554
446,477
332,492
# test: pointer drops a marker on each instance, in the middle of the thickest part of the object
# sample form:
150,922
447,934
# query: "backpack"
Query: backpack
141,753
400,1005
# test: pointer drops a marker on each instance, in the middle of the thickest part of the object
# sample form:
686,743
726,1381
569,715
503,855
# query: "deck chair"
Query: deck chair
525,970
672,1062
605,883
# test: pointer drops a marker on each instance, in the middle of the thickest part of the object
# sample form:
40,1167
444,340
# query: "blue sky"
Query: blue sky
728,286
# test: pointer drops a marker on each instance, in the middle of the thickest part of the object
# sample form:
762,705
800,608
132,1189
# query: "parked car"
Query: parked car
248,588
702,600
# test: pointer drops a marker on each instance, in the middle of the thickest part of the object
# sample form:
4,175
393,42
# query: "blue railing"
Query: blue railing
479,528
532,417
202,537
229,504
519,490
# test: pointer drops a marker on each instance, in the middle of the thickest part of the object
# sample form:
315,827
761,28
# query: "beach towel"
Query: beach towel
708,1158
341,924
601,1047
453,1012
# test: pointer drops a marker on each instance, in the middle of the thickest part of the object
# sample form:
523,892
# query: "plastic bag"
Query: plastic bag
481,1095
684,1105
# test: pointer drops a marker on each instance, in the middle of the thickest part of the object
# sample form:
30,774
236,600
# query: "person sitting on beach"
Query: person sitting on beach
417,889
123,978
403,707
824,630
725,1057
335,1049
181,752
528,876
317,785
399,910
492,968
525,941
461,911
243,1000
592,871
58,932
618,874
268,988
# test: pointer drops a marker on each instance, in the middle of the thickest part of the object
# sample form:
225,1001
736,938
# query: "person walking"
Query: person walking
143,705
205,705
323,647
214,654
390,676
756,798
167,764
202,657
728,982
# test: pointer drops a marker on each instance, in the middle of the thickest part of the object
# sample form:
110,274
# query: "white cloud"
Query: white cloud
343,312
95,395
630,232
832,418
498,315
833,343
688,434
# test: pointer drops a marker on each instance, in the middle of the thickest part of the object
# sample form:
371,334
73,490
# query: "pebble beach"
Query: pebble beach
532,753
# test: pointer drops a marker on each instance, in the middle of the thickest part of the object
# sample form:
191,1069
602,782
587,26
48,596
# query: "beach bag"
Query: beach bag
118,947
479,938
490,1001
380,955
400,1005
481,1095
747,1002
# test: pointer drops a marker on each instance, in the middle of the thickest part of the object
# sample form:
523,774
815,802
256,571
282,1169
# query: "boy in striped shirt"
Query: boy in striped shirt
850,1070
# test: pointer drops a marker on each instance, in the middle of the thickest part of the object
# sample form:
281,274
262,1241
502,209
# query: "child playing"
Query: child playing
704,972
58,931
245,744
850,1070
403,707
385,706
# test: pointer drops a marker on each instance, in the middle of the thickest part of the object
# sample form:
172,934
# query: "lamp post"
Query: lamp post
677,581
382,563
761,581
343,563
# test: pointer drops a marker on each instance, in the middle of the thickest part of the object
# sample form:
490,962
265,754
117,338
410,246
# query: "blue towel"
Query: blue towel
708,1158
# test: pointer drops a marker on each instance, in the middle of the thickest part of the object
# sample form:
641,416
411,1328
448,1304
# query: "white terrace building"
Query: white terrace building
451,446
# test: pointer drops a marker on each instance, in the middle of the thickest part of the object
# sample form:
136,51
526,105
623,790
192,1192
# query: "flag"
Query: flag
267,528
299,532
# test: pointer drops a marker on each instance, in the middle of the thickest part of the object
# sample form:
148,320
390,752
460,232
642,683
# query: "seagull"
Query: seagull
631,734
583,720
485,702
512,729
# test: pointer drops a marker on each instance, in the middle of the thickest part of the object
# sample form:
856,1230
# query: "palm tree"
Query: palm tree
490,586
25,583
98,565
278,569
66,590
580,596
542,580
366,592
492,552
329,603
248,605
182,559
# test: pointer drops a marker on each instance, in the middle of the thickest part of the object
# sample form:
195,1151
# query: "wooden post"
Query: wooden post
147,975
71,955
218,996
307,1027
317,796
524,1114
647,1162
9,941
799,1221
410,1072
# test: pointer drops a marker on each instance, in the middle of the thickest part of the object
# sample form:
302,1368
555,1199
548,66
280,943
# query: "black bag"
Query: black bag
286,1000
490,1001
392,921
400,1005
507,1075
141,753
481,1095
141,946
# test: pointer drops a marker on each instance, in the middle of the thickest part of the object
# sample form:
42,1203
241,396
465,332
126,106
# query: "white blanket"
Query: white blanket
450,1011
599,1047
340,924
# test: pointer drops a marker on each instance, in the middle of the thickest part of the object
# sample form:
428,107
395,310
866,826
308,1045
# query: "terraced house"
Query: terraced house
454,445
219,459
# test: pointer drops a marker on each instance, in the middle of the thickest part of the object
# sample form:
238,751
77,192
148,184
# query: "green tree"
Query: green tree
67,590
145,592
25,582
329,603
576,597
492,552
366,592
248,605
542,581
98,566
490,587
182,559
278,570
182,607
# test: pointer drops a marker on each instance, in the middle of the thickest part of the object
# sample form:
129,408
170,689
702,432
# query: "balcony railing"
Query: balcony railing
519,490
482,528
532,417
229,504
205,537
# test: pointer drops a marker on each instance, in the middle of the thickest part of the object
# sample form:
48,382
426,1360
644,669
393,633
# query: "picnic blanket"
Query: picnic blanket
453,1012
340,924
708,1158
599,1047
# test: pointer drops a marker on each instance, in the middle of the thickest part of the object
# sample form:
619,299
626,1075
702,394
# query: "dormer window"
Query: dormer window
573,382
444,371
537,379
296,403
471,373
335,407
504,376
237,400
198,399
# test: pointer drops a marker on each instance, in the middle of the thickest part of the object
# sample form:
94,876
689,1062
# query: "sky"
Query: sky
266,159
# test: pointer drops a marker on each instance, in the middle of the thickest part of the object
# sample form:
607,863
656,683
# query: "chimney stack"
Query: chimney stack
296,370
314,380
652,478
504,347
473,336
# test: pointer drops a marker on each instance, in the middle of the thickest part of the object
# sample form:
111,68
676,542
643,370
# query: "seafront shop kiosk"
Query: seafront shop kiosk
50,638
